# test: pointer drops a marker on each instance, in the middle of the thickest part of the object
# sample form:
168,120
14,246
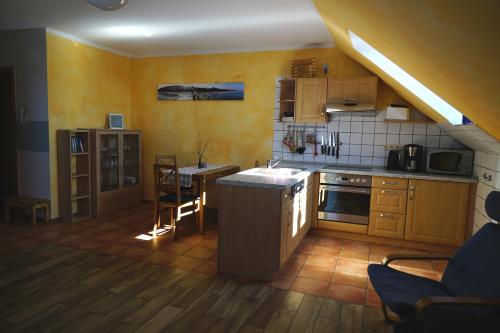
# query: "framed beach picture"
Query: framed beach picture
227,91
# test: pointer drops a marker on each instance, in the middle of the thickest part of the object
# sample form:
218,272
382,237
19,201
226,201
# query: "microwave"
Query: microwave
457,162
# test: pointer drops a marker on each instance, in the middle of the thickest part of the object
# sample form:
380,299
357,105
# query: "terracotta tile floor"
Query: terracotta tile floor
320,266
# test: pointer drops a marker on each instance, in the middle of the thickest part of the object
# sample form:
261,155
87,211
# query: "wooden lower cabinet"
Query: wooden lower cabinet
259,228
390,201
386,225
437,212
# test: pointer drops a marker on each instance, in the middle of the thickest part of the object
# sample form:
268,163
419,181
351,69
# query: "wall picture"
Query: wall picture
228,91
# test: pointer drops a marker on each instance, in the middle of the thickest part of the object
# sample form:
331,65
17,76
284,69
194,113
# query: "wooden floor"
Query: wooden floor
54,288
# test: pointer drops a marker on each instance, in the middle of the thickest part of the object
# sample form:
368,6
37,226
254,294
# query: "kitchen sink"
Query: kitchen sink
277,171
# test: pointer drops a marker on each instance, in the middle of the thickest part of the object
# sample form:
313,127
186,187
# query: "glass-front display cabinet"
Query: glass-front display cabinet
117,163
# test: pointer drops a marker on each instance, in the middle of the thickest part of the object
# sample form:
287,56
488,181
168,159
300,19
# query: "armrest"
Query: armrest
392,257
457,301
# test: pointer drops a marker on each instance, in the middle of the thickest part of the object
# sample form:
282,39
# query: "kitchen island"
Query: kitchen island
263,216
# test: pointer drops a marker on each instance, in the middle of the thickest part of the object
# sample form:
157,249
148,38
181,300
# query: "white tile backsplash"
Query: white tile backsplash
363,138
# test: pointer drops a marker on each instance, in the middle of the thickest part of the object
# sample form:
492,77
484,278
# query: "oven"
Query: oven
344,198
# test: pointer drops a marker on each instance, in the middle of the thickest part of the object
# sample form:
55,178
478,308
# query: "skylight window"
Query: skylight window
406,80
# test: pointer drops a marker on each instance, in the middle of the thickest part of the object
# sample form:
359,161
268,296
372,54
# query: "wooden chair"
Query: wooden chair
170,159
168,195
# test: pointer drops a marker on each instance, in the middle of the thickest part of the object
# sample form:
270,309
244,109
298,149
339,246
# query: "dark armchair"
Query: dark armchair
467,299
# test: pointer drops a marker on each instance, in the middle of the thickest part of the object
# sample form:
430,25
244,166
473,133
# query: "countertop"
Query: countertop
252,178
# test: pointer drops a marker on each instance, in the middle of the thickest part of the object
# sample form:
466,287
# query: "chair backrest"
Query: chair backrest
166,159
475,269
167,180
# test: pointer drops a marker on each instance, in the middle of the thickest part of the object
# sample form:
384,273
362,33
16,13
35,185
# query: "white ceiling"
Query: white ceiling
168,27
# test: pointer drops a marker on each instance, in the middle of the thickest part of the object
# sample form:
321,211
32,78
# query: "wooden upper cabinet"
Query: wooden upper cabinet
363,90
310,100
437,212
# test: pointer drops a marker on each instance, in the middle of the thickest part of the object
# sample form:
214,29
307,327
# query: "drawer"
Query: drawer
386,225
390,201
391,183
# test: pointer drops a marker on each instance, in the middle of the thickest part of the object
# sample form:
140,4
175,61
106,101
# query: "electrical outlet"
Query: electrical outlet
393,147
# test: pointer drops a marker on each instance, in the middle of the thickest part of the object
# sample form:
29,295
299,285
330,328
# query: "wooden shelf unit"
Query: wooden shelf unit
287,97
74,180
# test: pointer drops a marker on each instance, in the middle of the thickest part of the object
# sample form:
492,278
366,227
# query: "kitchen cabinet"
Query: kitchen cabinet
359,90
390,183
310,96
388,207
437,212
116,163
389,201
259,228
386,225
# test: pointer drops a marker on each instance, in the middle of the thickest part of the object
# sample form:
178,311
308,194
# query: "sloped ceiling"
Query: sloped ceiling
452,47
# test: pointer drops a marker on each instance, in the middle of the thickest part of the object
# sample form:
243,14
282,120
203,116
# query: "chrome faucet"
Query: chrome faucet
274,162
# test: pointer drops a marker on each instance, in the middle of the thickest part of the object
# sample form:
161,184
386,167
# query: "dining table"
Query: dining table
200,177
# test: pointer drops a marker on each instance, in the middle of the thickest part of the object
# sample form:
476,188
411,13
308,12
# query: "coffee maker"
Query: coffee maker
413,158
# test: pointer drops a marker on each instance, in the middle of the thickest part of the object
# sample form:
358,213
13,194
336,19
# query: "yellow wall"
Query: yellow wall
449,46
240,131
84,84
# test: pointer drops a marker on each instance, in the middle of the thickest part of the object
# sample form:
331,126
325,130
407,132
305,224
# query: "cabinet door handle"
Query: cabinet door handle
389,183
323,108
412,192
388,192
386,216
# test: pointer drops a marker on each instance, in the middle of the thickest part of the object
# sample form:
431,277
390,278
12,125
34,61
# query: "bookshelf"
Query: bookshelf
74,176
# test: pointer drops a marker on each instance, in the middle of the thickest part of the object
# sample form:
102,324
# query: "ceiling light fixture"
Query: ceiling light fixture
406,80
129,31
108,4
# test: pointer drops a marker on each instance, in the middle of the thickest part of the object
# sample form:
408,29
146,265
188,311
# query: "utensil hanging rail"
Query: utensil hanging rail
306,126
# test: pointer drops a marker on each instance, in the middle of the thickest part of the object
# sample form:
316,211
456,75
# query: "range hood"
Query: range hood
351,105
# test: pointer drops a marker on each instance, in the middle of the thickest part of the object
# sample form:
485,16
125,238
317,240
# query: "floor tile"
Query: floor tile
372,299
90,244
282,281
350,279
136,252
348,294
161,258
200,252
292,268
327,262
207,267
186,263
310,287
345,253
383,250
356,246
325,251
209,243
112,248
315,273
176,248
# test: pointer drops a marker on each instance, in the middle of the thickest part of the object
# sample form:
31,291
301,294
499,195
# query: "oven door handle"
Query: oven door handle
345,189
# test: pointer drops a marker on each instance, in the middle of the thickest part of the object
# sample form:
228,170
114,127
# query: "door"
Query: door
109,162
8,139
130,159
437,212
310,100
